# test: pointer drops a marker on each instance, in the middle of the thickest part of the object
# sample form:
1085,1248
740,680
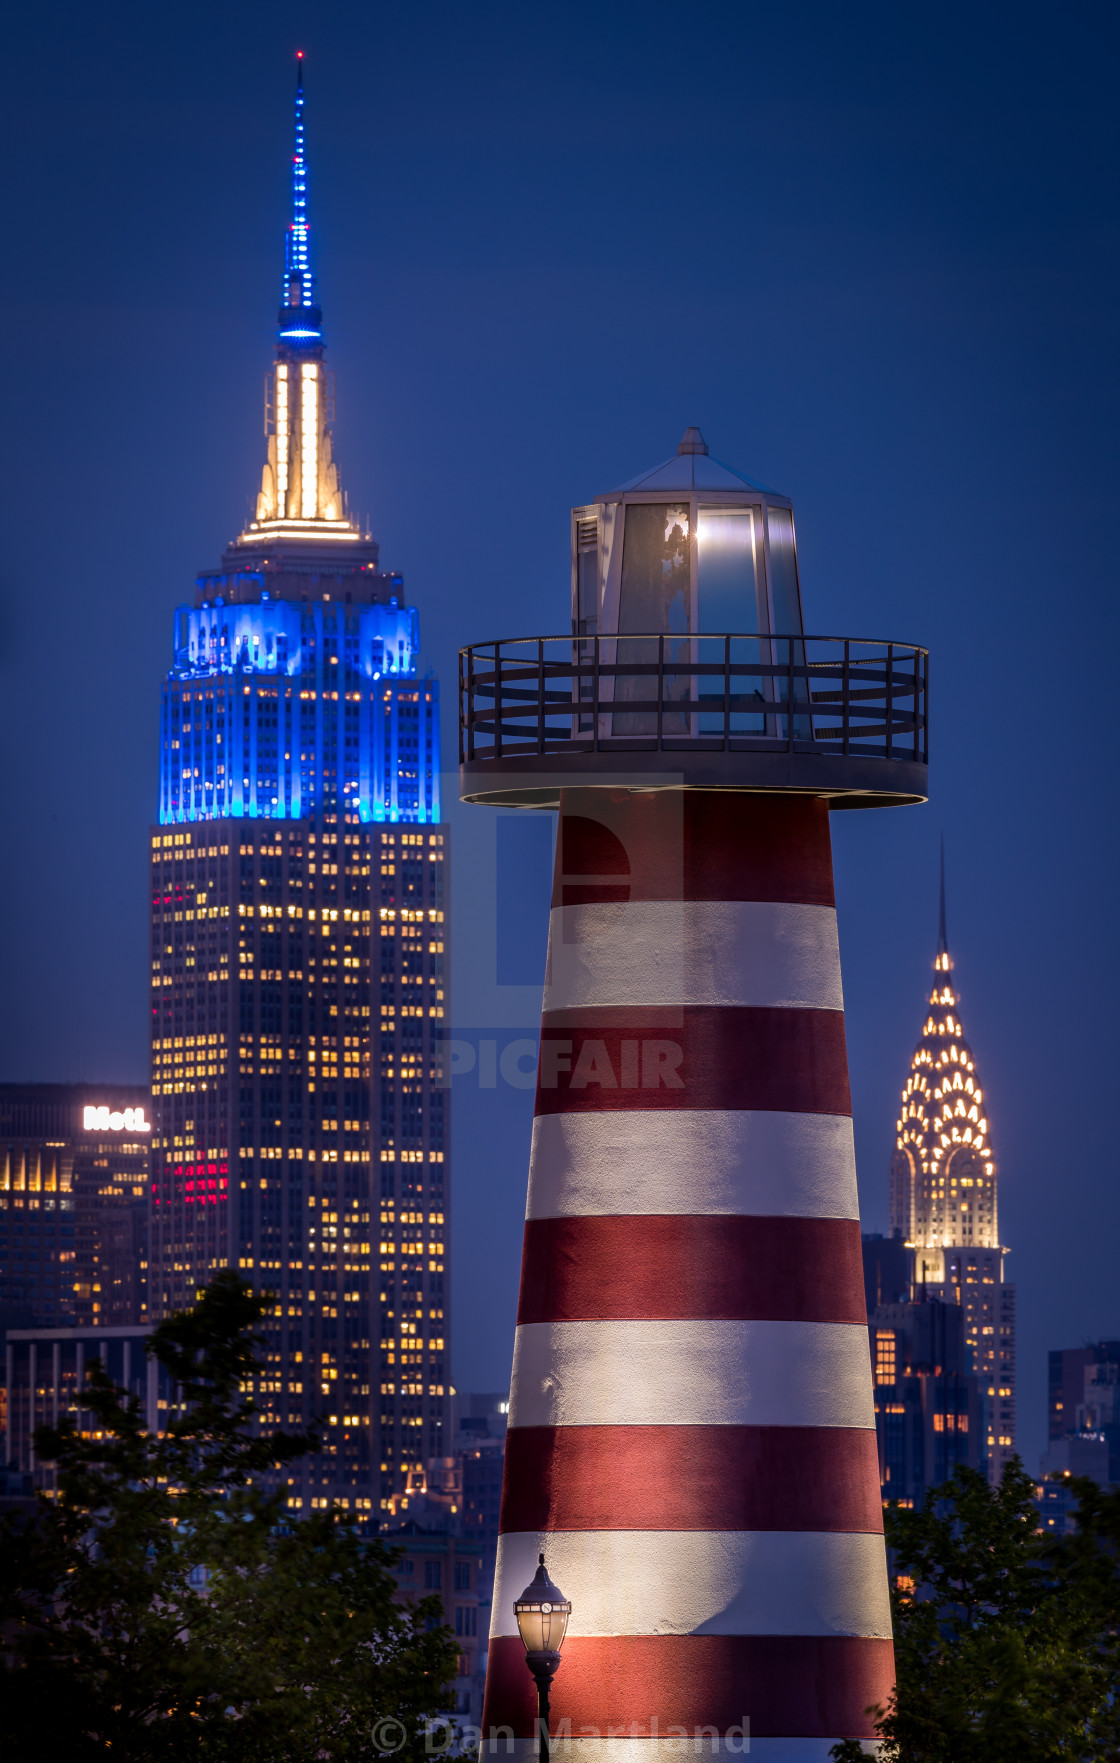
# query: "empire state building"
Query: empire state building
944,1200
299,954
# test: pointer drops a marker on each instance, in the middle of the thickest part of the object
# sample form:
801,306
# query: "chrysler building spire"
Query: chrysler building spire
943,1200
300,504
943,1187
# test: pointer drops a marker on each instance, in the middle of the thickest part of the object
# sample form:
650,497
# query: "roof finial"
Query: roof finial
942,934
692,441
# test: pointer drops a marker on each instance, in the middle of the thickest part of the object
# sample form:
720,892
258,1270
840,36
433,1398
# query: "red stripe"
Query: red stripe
691,1478
692,845
603,1060
719,1268
787,1686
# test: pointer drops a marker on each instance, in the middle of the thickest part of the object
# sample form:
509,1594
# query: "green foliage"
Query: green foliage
288,1646
1006,1640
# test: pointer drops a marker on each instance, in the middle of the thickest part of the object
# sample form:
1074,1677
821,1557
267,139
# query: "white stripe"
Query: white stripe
693,1160
691,1374
623,1582
754,952
645,1749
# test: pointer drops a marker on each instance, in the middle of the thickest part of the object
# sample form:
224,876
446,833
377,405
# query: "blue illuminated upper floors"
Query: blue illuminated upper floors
286,711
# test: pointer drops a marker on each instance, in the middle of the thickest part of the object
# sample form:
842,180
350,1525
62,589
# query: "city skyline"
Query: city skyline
928,386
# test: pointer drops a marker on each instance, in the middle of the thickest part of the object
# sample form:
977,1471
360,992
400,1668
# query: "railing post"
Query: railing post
846,699
595,696
789,692
540,694
497,700
727,694
661,688
890,700
917,702
470,703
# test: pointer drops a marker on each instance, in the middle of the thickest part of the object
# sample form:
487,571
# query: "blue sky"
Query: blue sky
871,251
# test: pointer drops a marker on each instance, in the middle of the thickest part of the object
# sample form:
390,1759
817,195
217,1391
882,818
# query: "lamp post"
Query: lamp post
542,1613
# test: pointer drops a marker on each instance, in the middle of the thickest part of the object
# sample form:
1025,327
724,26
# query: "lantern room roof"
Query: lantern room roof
692,468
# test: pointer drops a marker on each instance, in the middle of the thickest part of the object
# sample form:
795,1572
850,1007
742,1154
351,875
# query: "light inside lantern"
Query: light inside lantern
542,1613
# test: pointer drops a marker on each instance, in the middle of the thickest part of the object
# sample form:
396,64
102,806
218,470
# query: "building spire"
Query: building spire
300,502
301,322
942,1126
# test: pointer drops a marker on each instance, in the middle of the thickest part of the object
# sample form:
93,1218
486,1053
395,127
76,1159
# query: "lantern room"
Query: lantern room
689,547
686,663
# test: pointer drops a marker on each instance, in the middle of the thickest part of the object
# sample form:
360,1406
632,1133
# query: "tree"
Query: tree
166,1605
1005,1639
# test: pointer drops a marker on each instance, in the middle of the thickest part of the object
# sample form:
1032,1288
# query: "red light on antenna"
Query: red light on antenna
299,54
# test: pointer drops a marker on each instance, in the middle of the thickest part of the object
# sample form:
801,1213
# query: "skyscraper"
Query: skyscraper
73,1204
1084,1401
929,1407
943,1197
299,953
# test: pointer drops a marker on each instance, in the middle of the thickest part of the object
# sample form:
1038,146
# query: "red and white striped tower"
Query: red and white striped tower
692,1436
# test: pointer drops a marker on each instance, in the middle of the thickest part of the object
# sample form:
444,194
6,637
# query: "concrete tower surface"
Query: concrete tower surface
692,1434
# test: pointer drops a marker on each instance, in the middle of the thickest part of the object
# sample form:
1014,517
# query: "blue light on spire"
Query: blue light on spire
300,319
297,256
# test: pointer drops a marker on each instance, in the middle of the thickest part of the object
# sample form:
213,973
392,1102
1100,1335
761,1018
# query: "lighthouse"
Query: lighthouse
691,1445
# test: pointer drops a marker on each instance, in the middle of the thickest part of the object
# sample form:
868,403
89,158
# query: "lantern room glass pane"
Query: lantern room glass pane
785,597
728,541
791,682
586,609
587,566
656,574
655,597
726,545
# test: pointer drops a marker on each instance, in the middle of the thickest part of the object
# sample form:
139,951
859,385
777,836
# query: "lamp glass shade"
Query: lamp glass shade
542,1613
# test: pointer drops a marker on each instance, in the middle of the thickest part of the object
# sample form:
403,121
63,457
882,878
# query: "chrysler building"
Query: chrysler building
944,1199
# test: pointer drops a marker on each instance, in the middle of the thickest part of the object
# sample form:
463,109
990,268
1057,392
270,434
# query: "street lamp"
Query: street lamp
542,1613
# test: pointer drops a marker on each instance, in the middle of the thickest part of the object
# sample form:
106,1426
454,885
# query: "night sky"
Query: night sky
871,251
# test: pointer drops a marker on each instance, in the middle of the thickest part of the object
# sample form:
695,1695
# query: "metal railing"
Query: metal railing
666,693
